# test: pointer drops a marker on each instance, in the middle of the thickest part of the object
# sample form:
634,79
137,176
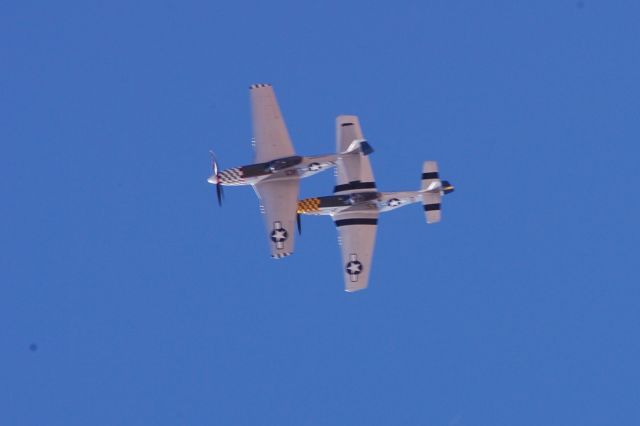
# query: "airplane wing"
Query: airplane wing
357,230
278,202
269,131
354,172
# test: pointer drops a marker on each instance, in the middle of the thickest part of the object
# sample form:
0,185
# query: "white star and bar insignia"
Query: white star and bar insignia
314,167
354,267
279,235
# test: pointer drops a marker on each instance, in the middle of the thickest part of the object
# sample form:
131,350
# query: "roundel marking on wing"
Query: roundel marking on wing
279,235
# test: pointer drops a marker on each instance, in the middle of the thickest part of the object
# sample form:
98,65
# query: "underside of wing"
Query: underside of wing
269,130
278,201
353,170
357,231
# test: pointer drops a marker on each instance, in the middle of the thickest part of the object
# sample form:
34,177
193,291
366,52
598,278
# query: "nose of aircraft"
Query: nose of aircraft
213,179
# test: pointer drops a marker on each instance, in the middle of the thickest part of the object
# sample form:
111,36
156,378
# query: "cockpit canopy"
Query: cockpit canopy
283,163
362,197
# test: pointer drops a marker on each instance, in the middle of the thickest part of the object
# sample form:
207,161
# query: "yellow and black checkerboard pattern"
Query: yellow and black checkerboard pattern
309,205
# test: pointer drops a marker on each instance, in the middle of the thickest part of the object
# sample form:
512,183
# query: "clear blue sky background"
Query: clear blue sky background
150,305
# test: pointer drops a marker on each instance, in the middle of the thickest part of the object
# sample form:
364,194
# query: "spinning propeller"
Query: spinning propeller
215,178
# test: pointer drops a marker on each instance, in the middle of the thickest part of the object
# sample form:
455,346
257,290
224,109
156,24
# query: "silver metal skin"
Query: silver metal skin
276,171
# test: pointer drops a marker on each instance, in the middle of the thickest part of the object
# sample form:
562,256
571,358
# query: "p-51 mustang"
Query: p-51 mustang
356,204
277,170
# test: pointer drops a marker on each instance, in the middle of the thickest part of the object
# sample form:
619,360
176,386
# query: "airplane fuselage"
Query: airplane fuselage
368,200
293,167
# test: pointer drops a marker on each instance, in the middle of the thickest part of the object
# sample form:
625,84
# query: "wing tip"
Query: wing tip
281,255
259,85
347,120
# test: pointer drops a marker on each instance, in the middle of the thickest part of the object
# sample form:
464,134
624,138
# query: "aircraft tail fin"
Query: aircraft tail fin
359,146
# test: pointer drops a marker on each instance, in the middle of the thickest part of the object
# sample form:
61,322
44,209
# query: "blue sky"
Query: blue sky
150,305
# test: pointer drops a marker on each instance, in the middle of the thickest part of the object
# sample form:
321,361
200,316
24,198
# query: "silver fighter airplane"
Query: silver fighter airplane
356,204
276,172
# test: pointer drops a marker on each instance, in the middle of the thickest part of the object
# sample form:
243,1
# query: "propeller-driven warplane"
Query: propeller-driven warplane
276,172
356,203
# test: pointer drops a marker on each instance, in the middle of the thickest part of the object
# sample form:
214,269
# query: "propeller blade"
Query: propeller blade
219,194
299,221
216,169
214,163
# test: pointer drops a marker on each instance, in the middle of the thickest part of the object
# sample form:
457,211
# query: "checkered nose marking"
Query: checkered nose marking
230,176
309,205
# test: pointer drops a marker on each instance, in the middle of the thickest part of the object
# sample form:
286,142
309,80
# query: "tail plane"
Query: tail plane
433,189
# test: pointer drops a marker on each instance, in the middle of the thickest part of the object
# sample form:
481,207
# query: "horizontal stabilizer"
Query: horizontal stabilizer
431,206
432,191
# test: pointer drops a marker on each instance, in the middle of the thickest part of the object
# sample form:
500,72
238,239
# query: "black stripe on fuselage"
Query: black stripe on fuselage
354,184
430,175
346,124
363,221
431,207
